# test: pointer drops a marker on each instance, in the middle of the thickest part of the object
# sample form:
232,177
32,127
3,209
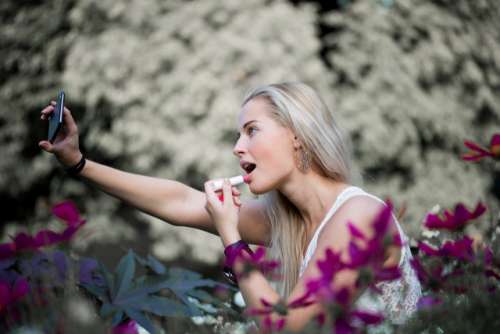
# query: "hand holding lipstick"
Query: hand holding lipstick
225,213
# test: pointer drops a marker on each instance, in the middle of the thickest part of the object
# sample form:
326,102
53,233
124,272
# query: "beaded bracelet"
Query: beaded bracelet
232,252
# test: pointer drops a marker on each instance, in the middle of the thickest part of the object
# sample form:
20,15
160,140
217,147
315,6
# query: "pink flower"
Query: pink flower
66,211
434,278
427,302
369,259
477,152
10,294
328,267
252,261
271,325
280,308
454,221
347,320
492,265
460,249
126,327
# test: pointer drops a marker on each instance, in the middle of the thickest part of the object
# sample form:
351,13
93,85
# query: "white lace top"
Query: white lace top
399,297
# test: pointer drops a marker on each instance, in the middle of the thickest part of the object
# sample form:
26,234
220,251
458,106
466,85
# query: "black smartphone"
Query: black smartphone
56,118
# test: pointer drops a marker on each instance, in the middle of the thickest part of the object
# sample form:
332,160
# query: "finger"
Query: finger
53,103
226,189
237,201
46,146
48,109
69,122
209,191
46,112
236,191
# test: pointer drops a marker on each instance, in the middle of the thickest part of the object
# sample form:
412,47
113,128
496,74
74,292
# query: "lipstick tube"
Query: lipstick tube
235,181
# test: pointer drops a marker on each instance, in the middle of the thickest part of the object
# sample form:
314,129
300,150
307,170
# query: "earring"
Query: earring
303,160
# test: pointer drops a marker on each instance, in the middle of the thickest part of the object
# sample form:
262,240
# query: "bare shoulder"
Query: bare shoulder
254,225
360,211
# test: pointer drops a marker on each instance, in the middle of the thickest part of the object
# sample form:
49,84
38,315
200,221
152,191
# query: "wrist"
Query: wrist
232,267
229,236
76,169
71,160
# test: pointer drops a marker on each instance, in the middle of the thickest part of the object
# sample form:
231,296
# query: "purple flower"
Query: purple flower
369,260
427,302
328,267
492,265
434,278
460,249
89,272
268,323
68,212
454,221
281,309
126,327
347,320
25,242
276,325
10,294
252,261
477,152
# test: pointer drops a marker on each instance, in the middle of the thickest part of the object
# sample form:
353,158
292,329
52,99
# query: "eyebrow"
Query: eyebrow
247,123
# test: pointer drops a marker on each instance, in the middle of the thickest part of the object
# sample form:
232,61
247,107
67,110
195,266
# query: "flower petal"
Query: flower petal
67,211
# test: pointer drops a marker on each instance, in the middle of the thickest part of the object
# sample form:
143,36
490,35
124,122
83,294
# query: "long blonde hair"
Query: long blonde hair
298,107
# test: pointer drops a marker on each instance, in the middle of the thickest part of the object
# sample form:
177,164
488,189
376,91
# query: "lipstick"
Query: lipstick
235,181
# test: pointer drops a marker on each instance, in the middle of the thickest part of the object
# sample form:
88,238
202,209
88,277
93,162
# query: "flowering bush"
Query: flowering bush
459,272
36,282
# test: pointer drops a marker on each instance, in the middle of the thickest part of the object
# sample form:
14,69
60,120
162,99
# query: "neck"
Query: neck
312,194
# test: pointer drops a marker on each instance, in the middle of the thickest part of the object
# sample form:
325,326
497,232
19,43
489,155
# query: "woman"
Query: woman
297,158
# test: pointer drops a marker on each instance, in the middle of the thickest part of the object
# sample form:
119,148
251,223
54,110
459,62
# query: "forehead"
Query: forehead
255,109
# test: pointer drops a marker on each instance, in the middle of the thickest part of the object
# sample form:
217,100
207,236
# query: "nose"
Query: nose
239,148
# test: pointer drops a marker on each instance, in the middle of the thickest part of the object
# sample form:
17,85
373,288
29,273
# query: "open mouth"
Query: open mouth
249,167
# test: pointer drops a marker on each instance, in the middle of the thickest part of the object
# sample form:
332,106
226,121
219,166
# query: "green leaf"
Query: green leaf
193,310
156,265
108,278
117,318
141,319
124,274
183,274
183,285
203,296
162,306
97,291
107,309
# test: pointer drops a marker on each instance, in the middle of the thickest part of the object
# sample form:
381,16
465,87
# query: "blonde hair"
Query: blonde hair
298,107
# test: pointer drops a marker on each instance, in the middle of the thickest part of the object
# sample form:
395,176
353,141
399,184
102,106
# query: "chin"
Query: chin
256,190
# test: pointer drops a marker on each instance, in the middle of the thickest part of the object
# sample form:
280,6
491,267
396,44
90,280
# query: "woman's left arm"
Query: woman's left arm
335,236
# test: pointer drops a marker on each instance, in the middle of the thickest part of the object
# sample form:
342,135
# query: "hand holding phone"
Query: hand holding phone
56,118
62,135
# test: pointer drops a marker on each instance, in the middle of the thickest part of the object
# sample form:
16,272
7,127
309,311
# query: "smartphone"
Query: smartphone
56,118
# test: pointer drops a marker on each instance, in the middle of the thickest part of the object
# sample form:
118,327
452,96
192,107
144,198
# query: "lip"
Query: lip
243,163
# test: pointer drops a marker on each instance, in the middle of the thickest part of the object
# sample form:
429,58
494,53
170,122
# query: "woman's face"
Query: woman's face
265,143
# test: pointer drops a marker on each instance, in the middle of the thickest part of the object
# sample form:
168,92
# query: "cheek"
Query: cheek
272,153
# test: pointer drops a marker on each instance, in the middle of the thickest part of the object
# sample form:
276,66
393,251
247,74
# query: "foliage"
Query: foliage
36,281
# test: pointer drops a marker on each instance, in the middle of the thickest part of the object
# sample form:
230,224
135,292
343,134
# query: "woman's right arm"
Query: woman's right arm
173,201
169,200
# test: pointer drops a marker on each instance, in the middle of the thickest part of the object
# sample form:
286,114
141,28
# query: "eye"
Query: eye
251,130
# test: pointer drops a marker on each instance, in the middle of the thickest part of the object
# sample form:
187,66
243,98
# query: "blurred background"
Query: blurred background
156,86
